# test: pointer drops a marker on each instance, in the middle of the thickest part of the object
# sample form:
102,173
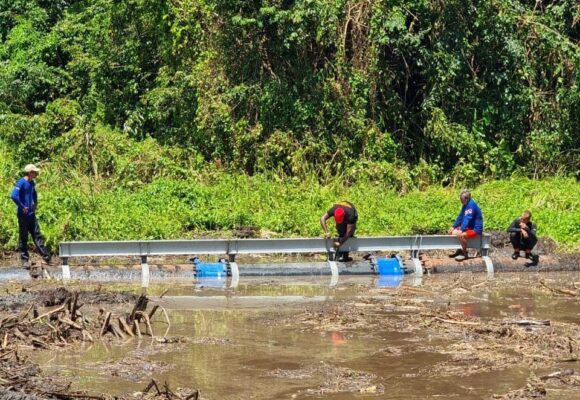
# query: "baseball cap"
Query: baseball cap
339,215
31,168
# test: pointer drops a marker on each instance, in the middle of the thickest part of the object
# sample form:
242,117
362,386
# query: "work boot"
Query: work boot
458,252
25,264
534,260
516,255
461,256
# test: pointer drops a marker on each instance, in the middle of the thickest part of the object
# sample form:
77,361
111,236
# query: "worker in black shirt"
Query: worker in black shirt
345,217
523,237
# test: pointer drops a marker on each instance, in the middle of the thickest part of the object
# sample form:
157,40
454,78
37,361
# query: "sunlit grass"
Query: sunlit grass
200,205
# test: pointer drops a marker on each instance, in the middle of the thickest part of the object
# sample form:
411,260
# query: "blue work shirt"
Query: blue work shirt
24,195
470,217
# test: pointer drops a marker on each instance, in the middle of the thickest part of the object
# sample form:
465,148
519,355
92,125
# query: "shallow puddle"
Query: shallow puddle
238,349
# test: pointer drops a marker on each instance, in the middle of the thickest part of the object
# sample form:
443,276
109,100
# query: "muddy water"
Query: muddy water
238,349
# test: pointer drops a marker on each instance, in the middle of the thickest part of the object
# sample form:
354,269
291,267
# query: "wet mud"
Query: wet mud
17,300
512,337
51,318
473,344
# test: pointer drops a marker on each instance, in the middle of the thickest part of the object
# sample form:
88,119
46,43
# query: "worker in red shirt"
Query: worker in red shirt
345,217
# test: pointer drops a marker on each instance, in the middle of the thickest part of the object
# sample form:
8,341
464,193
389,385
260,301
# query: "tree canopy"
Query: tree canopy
435,90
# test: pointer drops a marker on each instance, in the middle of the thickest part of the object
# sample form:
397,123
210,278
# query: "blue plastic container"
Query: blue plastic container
206,270
390,266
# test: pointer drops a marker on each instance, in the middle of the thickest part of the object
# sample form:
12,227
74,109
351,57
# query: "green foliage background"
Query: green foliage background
158,118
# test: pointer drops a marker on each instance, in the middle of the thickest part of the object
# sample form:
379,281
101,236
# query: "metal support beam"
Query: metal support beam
232,247
144,273
487,261
417,263
417,280
235,271
65,269
262,246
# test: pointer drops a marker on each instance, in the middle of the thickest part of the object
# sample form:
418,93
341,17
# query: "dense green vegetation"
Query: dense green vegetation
158,118
221,202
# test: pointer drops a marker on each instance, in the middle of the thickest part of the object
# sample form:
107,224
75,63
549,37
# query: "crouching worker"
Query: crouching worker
467,225
523,237
345,217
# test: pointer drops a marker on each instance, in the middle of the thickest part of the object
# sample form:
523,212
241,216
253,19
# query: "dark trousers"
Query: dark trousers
519,242
341,230
28,224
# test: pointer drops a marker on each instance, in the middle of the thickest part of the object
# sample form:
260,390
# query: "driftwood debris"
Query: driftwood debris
56,326
558,291
60,324
125,327
558,374
166,393
129,324
529,322
456,322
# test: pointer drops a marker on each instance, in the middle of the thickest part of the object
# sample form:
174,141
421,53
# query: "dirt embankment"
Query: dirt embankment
551,258
52,318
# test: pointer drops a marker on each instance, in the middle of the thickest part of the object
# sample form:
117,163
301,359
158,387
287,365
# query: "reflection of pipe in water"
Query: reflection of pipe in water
334,272
389,281
390,269
210,282
417,280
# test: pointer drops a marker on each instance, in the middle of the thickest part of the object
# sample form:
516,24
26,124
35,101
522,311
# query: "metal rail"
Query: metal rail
233,247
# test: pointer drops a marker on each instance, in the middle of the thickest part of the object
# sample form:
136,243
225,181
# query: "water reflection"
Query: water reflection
211,282
337,338
237,349
389,281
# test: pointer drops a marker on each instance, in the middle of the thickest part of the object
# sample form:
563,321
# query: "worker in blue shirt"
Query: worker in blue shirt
467,225
26,199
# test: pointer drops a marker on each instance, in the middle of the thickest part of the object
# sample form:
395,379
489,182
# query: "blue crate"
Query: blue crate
390,266
216,270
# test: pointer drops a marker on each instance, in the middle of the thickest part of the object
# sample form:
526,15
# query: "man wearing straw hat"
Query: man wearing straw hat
26,199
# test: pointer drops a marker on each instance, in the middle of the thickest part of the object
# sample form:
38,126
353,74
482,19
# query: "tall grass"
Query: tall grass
214,203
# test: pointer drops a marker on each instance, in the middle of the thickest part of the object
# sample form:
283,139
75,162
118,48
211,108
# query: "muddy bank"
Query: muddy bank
551,258
57,296
503,263
433,262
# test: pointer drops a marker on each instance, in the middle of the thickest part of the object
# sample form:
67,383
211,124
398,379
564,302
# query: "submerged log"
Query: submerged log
452,321
558,374
528,322
556,290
